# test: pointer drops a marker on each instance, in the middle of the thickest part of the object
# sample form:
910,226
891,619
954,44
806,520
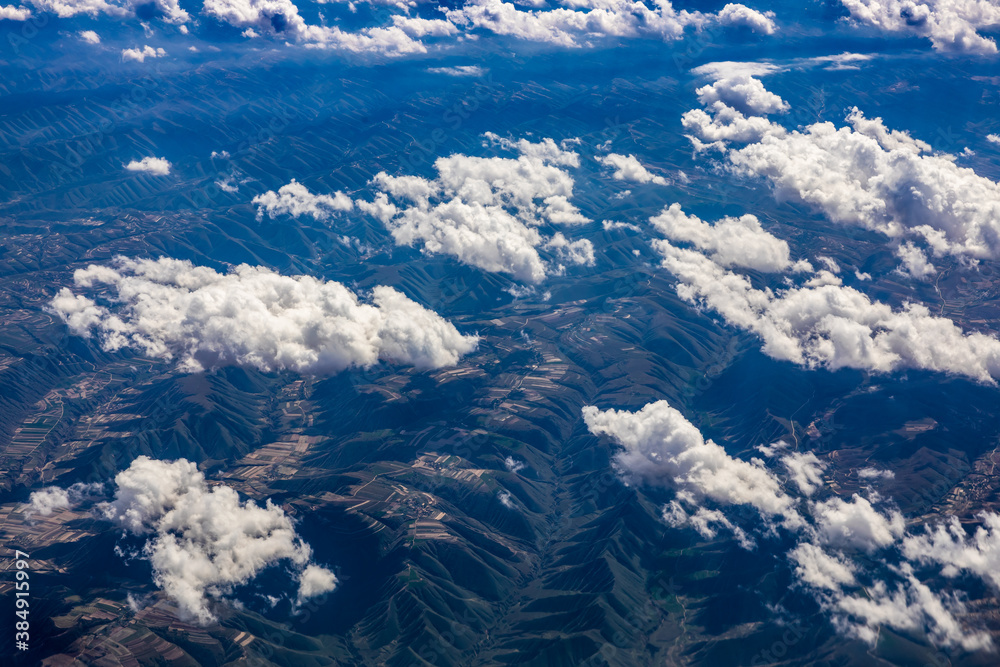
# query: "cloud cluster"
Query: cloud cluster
139,55
489,212
577,22
11,13
53,498
203,541
93,8
743,93
862,174
294,199
948,545
252,316
661,447
823,323
951,25
730,242
628,168
157,166
281,18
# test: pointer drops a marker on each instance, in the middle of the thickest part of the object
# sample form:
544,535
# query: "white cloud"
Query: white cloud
856,524
52,498
459,70
294,199
865,175
578,21
609,225
48,500
419,27
743,93
313,581
281,18
805,469
823,323
706,522
910,605
820,569
170,10
628,168
994,138
157,166
729,242
662,447
513,464
488,212
90,37
948,545
253,316
875,473
203,540
735,14
11,13
68,8
729,69
951,25
915,262
140,55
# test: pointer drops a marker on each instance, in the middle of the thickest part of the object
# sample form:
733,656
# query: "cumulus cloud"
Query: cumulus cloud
90,37
735,14
420,27
577,22
951,25
741,242
862,174
313,581
856,524
825,324
69,8
294,199
52,498
628,168
805,470
168,10
140,55
11,13
661,447
203,541
819,569
48,500
914,261
252,316
948,545
743,93
281,18
909,605
489,212
157,166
